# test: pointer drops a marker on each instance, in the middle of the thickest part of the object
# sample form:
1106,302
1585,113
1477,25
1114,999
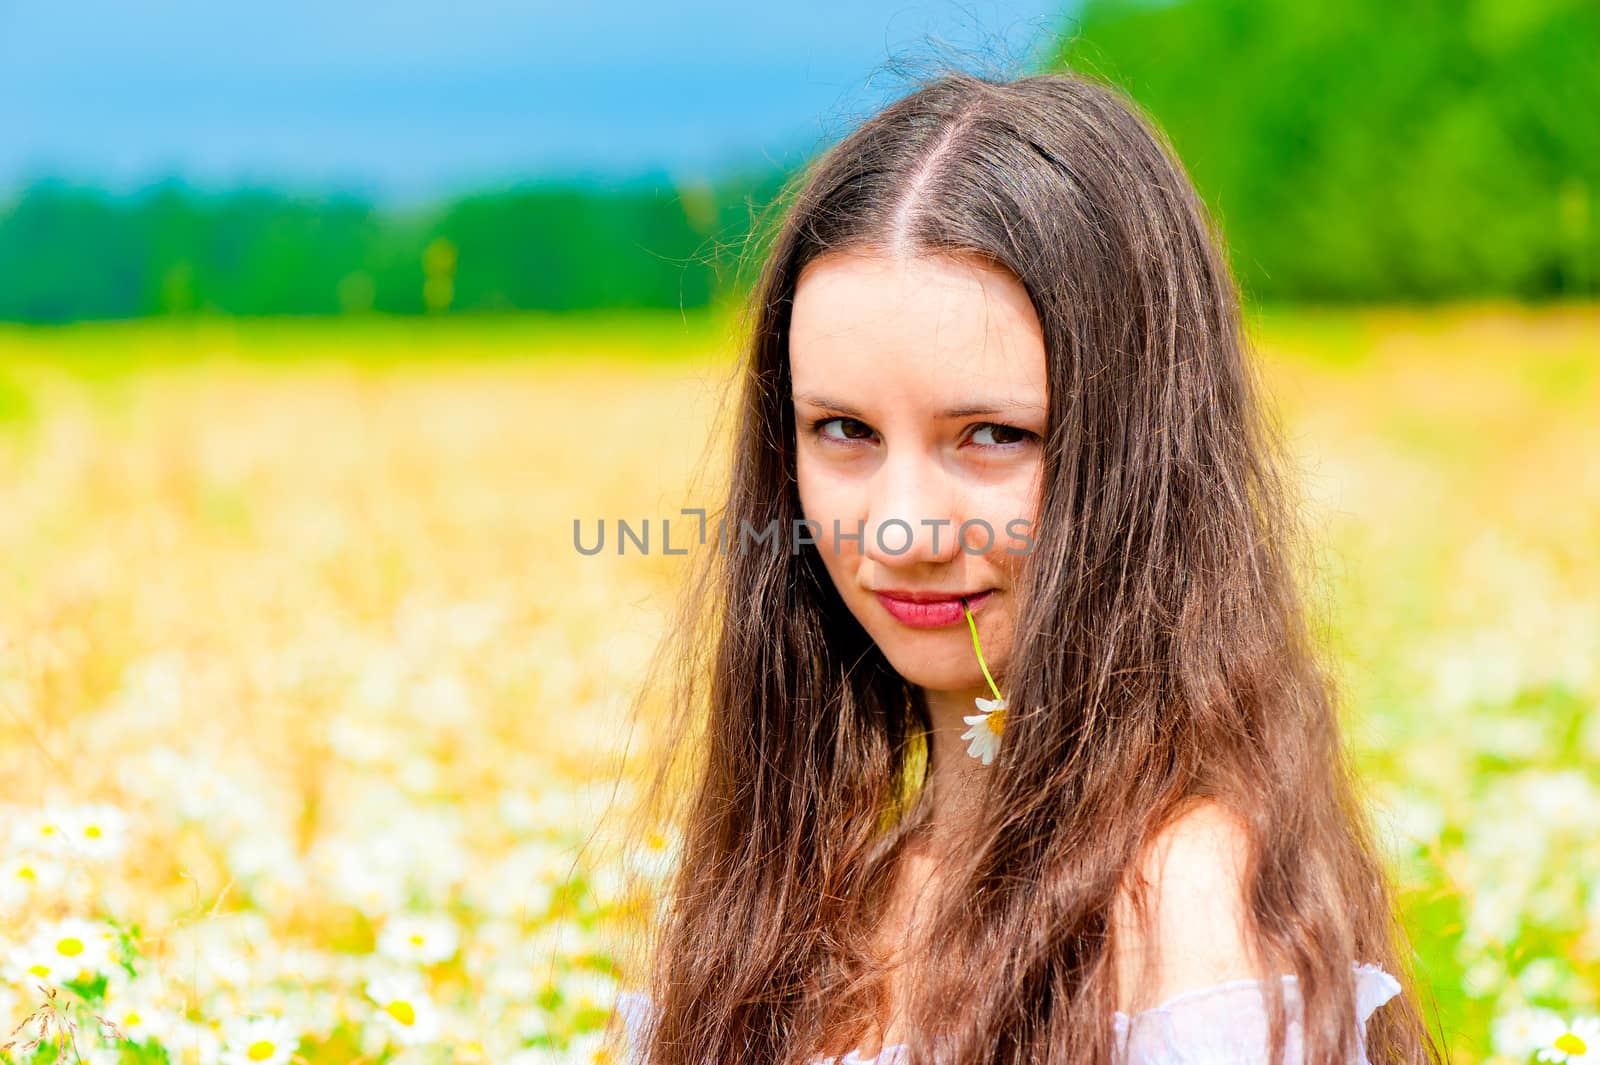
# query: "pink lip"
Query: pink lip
926,613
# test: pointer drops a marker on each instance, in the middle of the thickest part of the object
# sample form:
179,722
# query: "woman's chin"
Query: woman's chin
938,675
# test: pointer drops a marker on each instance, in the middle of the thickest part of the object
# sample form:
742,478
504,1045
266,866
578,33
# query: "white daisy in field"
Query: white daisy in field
1576,1044
42,831
421,939
986,729
656,857
1519,1032
133,1010
24,876
69,949
404,1008
96,830
258,1041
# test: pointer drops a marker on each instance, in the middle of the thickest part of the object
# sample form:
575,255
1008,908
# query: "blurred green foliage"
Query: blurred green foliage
1370,150
1376,149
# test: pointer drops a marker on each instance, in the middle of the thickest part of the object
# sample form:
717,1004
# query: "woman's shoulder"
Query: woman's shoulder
1228,1021
1224,1023
1195,931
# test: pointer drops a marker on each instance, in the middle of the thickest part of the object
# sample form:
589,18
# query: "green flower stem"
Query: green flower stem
981,665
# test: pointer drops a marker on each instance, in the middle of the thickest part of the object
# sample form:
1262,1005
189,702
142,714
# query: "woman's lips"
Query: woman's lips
931,614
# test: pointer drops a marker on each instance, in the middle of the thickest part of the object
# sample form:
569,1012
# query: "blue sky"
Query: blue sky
404,100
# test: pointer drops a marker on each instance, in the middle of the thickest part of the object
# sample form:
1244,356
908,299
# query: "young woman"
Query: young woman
1012,744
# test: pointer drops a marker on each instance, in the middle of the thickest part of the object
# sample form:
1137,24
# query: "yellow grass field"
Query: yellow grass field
310,707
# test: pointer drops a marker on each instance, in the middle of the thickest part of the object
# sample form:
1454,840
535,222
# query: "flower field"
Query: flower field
314,720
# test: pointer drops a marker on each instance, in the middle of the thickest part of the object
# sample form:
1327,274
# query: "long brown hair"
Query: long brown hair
1162,651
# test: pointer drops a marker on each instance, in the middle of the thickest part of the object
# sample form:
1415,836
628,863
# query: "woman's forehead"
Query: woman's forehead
950,320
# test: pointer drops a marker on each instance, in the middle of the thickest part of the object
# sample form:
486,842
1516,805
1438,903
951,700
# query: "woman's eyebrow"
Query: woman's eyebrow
985,407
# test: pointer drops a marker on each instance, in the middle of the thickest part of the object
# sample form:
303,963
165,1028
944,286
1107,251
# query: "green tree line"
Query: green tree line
76,253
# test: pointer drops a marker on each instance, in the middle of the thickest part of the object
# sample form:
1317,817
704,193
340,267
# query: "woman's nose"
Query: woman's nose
913,513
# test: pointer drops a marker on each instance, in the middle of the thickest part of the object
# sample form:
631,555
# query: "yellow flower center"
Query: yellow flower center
1568,1043
92,831
997,721
131,1018
26,872
403,1012
71,947
416,940
41,969
261,1050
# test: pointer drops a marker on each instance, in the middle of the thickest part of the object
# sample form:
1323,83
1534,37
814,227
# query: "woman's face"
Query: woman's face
920,404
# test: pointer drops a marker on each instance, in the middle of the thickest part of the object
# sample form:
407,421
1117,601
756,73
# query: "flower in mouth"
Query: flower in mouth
990,721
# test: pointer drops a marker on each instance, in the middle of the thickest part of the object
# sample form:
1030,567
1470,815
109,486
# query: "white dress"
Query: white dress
1224,1024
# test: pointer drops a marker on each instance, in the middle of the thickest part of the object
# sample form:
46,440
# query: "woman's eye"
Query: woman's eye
1009,435
850,429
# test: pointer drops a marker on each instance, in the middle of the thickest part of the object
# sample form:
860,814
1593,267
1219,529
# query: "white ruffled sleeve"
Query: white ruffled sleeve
1227,1024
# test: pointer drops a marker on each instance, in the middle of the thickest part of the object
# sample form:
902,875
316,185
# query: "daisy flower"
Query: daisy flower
133,1010
259,1041
68,949
1576,1043
42,831
986,728
24,875
95,830
420,939
404,1008
1520,1032
658,857
991,719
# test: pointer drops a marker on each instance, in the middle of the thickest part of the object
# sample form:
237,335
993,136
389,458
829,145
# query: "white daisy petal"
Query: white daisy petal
985,741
